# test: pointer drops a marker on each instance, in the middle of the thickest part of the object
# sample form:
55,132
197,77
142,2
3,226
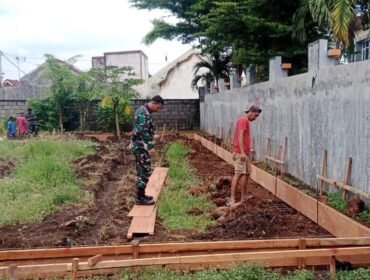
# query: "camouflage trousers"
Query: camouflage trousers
143,167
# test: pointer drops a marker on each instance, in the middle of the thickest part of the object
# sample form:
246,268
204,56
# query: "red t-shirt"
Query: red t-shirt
21,125
242,124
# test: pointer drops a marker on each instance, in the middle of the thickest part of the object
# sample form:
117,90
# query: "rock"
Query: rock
220,201
355,206
219,212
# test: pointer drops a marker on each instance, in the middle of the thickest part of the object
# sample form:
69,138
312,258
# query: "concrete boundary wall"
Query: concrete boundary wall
322,109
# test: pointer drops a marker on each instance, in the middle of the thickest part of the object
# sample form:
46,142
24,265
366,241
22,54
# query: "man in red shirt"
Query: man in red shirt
241,152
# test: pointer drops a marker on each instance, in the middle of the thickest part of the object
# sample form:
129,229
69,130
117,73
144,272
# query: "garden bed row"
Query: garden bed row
330,219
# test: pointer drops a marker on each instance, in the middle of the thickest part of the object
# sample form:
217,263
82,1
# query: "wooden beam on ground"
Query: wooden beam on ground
153,188
261,257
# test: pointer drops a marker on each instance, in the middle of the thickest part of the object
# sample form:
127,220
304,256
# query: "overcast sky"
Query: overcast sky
64,28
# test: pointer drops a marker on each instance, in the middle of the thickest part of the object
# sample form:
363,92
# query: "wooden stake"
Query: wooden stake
12,271
285,146
302,246
228,136
74,268
347,177
278,156
268,149
323,170
94,260
333,268
164,129
135,249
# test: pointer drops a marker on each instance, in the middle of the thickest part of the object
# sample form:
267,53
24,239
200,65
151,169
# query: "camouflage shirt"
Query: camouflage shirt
143,133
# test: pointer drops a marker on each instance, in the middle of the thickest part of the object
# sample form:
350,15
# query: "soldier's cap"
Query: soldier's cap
157,99
254,109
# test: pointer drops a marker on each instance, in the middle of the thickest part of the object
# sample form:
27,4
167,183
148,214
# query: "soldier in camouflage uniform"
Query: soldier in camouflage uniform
142,145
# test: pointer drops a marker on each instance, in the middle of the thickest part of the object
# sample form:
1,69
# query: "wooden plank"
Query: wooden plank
94,260
266,180
35,254
278,161
300,201
341,185
339,224
142,225
153,188
249,256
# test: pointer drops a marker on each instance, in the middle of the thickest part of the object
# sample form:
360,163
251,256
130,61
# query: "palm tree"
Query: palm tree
338,17
218,68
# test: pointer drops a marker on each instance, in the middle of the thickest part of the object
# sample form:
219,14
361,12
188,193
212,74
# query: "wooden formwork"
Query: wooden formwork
31,264
330,219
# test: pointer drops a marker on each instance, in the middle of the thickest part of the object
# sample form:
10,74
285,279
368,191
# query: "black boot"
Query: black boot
142,199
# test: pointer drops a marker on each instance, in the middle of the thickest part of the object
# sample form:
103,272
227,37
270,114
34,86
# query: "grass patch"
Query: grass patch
336,201
42,179
175,201
245,272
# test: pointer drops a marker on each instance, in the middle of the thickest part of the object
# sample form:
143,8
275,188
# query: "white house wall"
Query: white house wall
178,82
137,61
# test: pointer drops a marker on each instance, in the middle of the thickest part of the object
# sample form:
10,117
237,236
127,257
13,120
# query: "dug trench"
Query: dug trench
110,177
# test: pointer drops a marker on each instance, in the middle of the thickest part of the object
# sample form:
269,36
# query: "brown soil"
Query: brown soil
262,216
110,176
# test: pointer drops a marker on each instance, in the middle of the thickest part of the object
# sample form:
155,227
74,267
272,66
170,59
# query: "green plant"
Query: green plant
365,216
358,274
116,88
336,201
175,201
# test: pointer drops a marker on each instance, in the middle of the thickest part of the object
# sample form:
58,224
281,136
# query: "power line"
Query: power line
11,62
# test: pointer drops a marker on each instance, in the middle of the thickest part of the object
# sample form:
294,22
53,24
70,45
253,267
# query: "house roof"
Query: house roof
36,75
162,74
152,85
9,82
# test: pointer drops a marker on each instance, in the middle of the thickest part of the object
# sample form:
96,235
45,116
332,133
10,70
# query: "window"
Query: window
365,49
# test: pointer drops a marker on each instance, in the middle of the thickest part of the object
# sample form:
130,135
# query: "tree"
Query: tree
116,85
218,67
64,84
83,96
254,31
341,18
